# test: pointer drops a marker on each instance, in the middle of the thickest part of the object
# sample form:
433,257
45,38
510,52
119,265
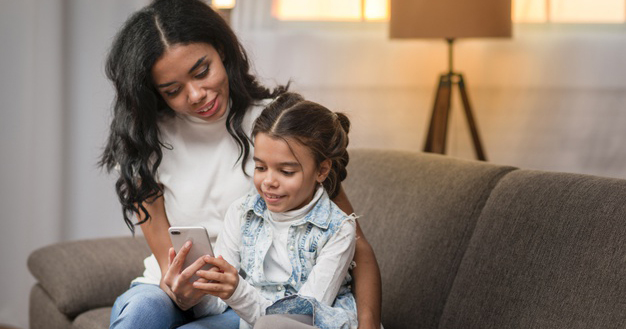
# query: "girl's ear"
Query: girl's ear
324,170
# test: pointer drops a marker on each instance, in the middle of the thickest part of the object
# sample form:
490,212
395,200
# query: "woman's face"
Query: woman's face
192,80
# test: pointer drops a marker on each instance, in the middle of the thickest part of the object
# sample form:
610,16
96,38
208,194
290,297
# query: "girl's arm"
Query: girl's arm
225,280
174,279
366,274
227,284
331,265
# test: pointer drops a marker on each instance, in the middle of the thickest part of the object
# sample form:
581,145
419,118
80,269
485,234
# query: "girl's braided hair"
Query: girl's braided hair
323,132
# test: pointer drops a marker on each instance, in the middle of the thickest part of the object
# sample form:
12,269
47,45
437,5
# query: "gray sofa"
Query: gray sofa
461,244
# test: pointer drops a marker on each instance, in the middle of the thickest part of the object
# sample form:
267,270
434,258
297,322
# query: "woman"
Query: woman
183,113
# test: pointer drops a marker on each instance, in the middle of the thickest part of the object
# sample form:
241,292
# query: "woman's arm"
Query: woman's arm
155,231
366,274
174,279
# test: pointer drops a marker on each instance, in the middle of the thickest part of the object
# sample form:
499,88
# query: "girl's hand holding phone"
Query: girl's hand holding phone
176,281
220,281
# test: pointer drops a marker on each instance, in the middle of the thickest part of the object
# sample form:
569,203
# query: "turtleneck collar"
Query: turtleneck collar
300,212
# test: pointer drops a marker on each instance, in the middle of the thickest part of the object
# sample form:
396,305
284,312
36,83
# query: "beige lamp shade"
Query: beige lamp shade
450,19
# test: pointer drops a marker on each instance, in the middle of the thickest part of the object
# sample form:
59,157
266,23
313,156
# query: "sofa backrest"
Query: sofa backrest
548,251
418,211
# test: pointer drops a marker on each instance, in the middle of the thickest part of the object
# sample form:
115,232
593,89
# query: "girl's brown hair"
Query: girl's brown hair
323,132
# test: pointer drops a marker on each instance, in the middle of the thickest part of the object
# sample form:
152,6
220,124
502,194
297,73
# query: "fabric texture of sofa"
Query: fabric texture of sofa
460,244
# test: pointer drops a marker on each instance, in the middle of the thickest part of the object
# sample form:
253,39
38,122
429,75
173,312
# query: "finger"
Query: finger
221,263
202,280
167,276
211,287
194,267
211,275
177,262
209,268
171,254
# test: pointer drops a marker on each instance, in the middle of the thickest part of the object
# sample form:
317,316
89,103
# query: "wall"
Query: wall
53,121
551,98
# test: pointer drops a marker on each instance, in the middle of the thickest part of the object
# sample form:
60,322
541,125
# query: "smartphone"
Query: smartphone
201,245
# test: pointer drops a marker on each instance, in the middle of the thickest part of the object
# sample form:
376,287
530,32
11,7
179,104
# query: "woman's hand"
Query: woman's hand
176,281
221,280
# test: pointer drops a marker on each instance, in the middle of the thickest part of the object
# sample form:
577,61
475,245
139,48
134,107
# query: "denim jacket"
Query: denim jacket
306,238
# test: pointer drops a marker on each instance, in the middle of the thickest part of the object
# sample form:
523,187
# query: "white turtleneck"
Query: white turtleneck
277,267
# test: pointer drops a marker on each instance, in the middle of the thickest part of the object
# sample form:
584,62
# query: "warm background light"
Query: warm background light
318,10
376,10
587,11
524,11
529,11
223,4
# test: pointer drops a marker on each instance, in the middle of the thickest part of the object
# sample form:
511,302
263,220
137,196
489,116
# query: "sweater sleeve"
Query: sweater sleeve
332,265
247,302
228,244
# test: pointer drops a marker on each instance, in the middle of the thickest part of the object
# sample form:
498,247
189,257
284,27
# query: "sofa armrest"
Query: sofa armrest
82,275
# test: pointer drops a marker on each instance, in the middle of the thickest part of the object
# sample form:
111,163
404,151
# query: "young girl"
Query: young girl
292,242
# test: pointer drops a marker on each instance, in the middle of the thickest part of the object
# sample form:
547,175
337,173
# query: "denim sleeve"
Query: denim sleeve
332,264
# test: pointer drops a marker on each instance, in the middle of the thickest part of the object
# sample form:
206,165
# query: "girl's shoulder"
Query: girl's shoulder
326,214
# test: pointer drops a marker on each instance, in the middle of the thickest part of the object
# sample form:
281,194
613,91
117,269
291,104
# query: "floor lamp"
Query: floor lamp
450,20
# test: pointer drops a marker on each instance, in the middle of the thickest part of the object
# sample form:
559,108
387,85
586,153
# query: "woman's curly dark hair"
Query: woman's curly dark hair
323,132
134,145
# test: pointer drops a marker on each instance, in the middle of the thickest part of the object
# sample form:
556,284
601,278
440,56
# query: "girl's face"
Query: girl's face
285,177
192,80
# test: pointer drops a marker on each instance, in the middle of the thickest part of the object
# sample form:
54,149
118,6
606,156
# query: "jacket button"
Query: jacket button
279,288
290,247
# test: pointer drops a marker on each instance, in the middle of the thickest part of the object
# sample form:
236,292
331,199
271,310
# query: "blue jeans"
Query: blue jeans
147,306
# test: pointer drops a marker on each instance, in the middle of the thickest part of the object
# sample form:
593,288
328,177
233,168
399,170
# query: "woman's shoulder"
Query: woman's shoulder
258,106
254,111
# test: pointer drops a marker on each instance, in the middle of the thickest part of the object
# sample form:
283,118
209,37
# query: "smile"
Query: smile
208,109
272,198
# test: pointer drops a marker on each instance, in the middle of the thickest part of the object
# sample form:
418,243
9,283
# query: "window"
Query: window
223,4
524,11
330,10
587,11
569,11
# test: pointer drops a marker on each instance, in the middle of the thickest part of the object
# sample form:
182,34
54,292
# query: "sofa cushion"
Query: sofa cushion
43,313
79,276
98,318
418,212
548,252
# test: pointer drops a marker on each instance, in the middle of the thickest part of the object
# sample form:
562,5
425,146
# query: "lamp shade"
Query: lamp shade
450,19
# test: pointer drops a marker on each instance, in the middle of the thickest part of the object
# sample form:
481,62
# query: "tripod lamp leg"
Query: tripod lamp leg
437,131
